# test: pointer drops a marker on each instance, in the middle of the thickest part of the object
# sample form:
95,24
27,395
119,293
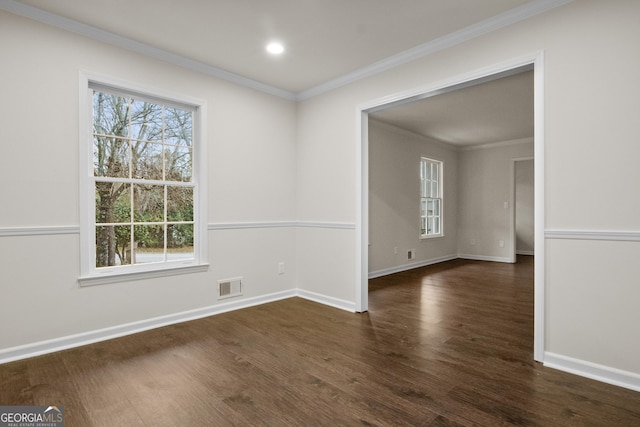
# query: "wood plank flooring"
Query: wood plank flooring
444,345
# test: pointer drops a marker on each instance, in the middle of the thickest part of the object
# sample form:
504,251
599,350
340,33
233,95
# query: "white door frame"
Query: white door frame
535,60
512,206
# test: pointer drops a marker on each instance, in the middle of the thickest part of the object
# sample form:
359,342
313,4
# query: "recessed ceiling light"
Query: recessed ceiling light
275,48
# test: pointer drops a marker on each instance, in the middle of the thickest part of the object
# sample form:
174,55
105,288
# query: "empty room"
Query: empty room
361,212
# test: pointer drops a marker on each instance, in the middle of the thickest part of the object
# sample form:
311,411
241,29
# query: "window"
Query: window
430,198
143,184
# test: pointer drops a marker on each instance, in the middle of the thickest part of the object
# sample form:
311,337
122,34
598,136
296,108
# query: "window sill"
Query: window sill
432,236
138,275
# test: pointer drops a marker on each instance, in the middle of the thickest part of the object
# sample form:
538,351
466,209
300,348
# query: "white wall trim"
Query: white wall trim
170,270
616,236
485,258
71,341
255,224
525,253
498,144
411,266
594,371
327,300
85,30
75,229
533,60
276,224
510,17
39,231
318,224
409,134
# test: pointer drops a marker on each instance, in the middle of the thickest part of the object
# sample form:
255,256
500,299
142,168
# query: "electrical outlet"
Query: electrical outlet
281,268
411,254
501,243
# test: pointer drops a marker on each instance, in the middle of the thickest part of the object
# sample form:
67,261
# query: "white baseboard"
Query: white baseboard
63,343
77,340
327,300
525,253
594,371
485,258
411,266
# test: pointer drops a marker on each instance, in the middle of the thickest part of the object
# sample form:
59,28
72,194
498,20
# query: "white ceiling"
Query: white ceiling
495,111
328,43
325,39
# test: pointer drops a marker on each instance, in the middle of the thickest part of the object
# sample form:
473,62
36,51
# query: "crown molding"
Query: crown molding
410,134
447,145
508,143
510,17
85,30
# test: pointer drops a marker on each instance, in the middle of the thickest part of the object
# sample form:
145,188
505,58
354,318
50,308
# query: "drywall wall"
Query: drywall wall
484,196
524,208
394,199
251,166
590,103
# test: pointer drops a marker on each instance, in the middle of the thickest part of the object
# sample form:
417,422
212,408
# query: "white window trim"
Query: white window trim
89,274
440,192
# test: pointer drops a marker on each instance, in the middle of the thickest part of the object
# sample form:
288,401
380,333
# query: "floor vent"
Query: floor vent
228,288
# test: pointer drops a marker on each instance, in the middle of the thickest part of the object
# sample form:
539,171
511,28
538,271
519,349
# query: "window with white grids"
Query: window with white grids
431,198
142,186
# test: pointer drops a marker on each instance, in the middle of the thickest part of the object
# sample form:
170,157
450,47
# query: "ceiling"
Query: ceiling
325,40
328,43
495,111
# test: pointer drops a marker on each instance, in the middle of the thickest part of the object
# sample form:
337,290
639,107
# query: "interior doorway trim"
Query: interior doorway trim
512,207
514,66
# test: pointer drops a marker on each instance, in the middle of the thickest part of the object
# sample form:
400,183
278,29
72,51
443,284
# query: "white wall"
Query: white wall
394,199
484,186
305,160
524,189
590,66
251,167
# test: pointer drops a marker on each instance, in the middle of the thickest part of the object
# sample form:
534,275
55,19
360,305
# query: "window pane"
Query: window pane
110,114
179,203
429,225
434,171
113,202
146,121
436,207
180,241
113,243
423,207
147,160
429,207
178,127
423,226
149,243
178,163
148,203
436,225
110,157
434,189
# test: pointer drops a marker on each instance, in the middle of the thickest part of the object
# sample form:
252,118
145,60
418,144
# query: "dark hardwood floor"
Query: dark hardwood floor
444,345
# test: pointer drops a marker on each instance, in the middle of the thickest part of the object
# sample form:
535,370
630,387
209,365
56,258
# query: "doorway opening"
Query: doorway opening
534,63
